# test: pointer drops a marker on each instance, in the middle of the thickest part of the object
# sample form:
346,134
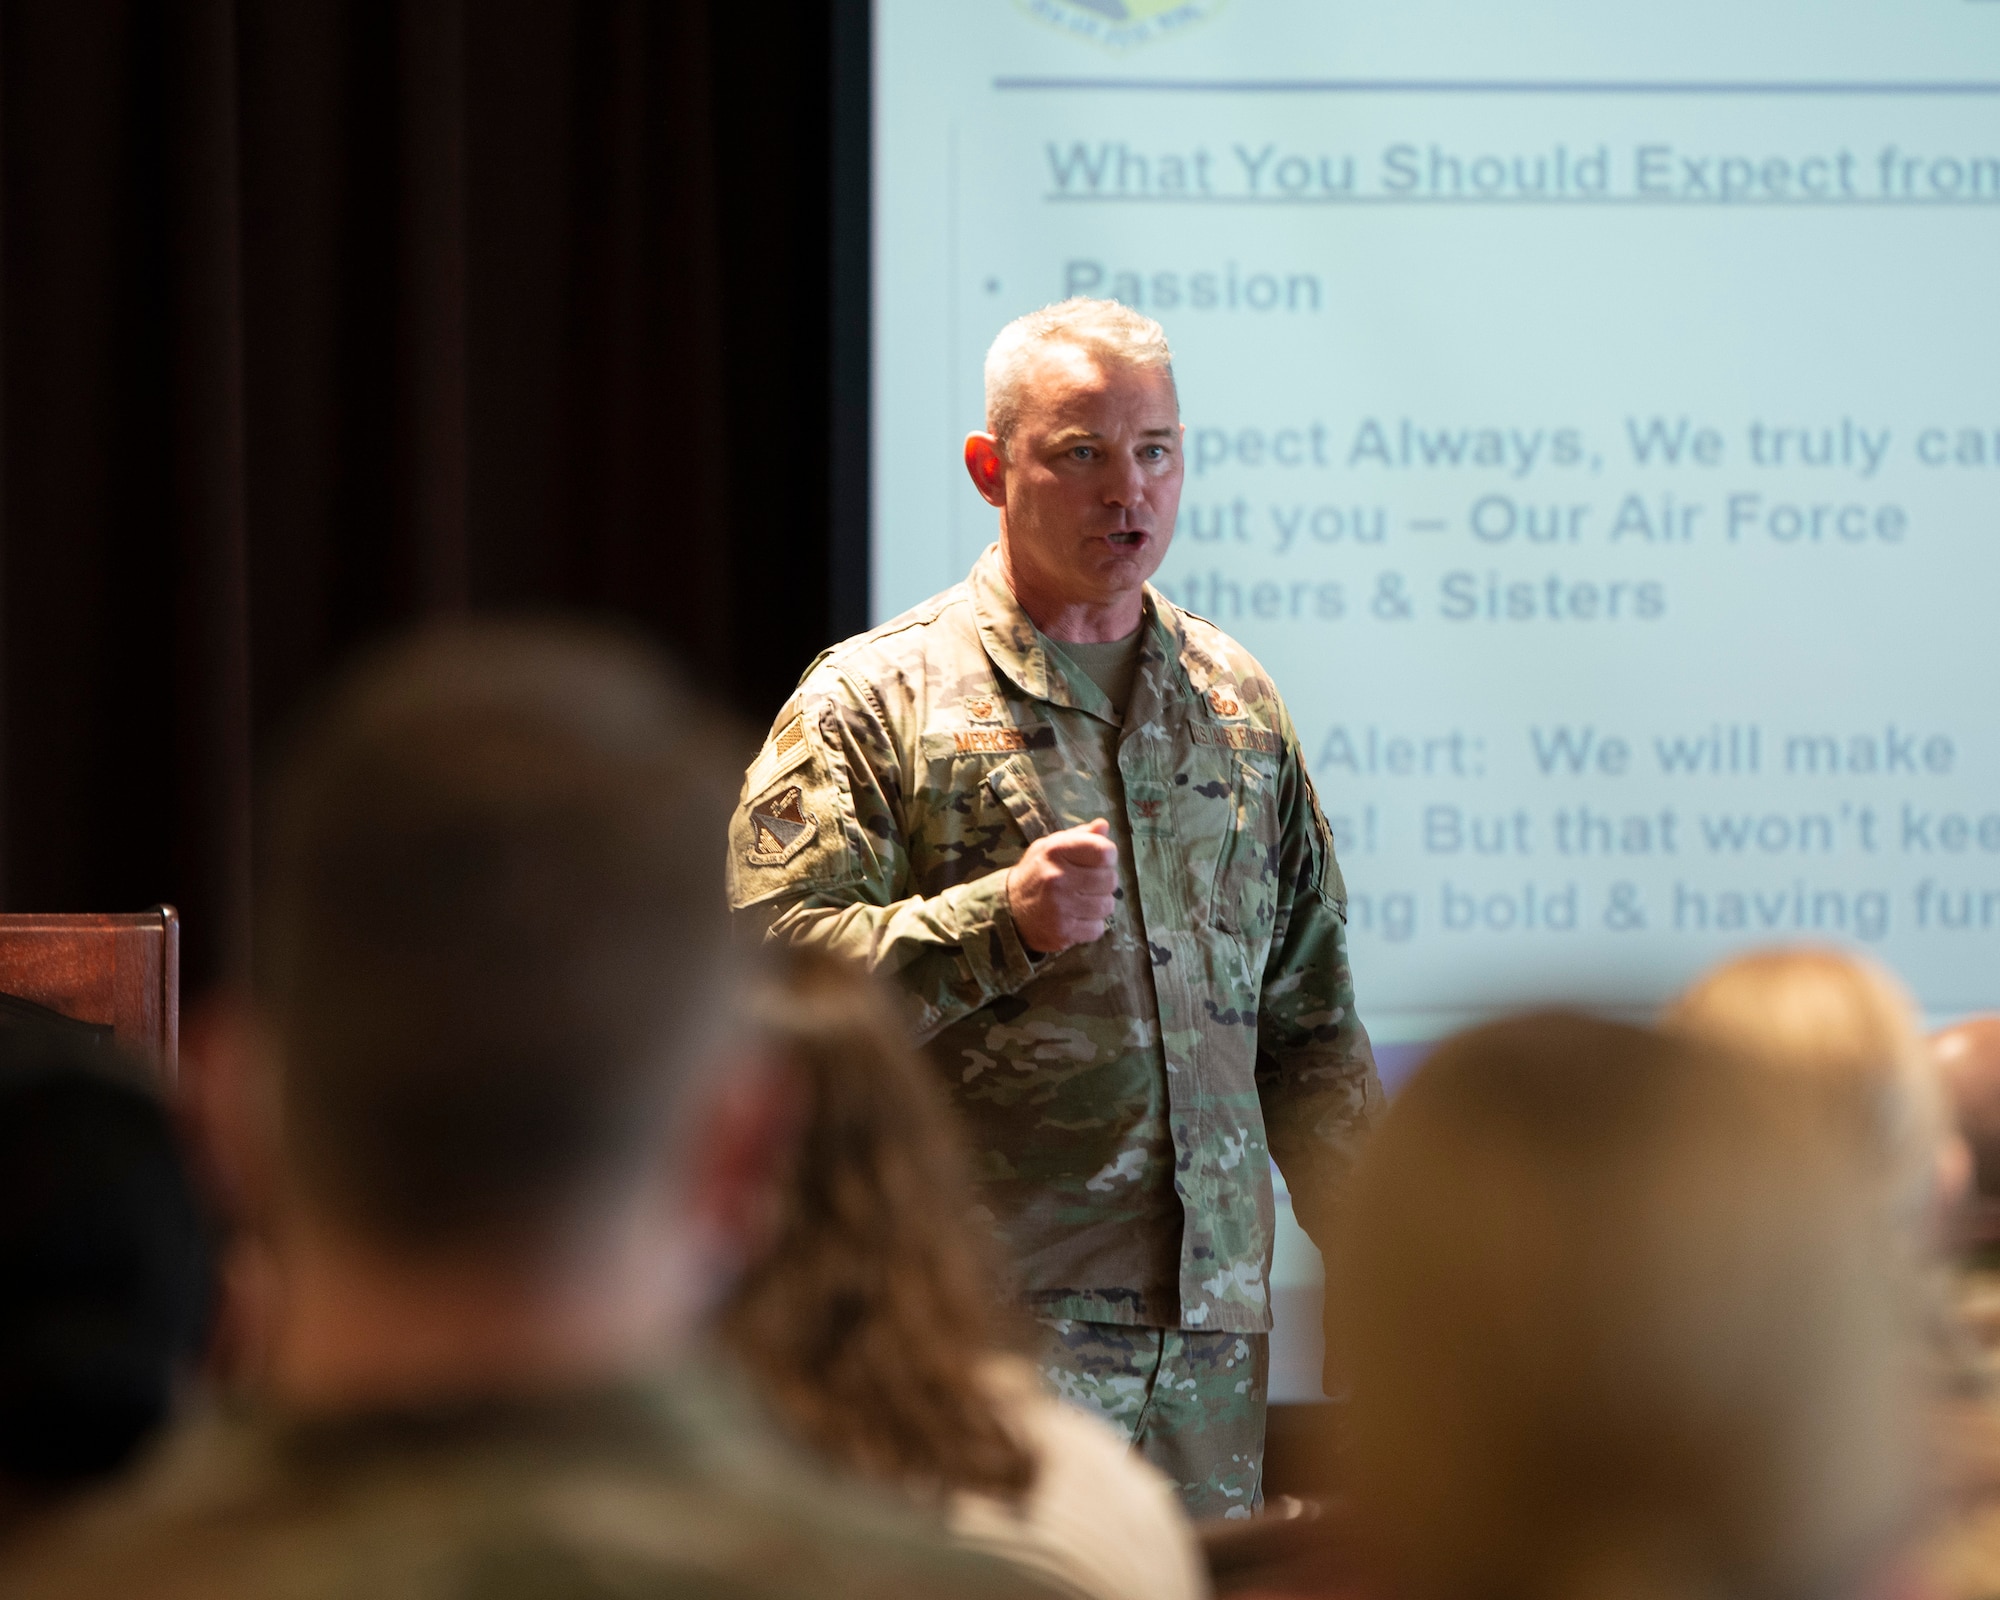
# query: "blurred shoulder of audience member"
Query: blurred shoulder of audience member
1620,1317
509,1155
1847,1026
104,1266
872,1320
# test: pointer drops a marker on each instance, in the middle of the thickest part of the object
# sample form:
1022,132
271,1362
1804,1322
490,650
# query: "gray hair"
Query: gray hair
1115,334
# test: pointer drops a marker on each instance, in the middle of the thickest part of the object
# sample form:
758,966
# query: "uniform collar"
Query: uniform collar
1017,649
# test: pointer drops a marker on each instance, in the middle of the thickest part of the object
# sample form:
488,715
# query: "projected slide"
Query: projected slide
1593,423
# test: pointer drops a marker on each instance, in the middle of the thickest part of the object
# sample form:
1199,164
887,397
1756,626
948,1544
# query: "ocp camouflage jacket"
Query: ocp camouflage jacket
1121,1097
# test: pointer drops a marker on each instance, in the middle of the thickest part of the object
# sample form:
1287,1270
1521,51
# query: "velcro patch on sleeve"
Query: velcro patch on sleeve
780,827
787,748
1262,740
1331,884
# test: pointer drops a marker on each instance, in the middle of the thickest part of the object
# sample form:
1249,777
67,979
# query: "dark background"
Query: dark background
320,317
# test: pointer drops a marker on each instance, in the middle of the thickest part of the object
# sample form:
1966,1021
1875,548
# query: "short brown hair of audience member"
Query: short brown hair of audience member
1843,1027
1620,1317
509,1153
874,1323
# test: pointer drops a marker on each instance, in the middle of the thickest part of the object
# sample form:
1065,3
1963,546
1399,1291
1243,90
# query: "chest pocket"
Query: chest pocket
1019,792
980,812
1246,877
1227,818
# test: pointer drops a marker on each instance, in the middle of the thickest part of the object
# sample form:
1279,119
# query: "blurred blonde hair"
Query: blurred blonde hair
1113,334
1618,1315
1847,1025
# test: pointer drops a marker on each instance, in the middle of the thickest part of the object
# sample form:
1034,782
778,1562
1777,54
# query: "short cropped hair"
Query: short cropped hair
1115,334
1620,1313
492,936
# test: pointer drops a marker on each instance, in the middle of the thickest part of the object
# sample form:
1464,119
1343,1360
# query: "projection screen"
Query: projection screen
1592,425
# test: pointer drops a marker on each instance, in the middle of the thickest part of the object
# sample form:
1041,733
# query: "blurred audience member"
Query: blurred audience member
1849,1027
1621,1318
104,1266
872,1322
509,1163
1968,1063
1963,1559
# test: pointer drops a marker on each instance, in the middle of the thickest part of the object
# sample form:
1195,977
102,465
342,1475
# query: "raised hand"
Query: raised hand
1062,891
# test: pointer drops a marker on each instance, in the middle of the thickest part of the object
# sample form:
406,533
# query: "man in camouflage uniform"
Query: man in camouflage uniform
1074,823
514,1165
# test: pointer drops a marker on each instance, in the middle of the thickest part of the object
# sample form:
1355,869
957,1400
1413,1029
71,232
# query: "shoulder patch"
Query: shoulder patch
788,747
780,827
1332,885
790,736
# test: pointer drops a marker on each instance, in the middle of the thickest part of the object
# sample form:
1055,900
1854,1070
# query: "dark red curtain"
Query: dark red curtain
321,316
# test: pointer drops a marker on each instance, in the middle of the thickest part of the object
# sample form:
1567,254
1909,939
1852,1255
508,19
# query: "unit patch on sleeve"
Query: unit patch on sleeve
780,827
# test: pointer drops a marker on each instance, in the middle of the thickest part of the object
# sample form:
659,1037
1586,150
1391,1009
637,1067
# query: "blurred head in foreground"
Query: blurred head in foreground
104,1265
867,1318
1618,1317
493,983
1848,1029
511,1161
1968,1060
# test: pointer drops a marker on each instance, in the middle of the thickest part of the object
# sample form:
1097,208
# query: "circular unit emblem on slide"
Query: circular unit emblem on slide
1122,24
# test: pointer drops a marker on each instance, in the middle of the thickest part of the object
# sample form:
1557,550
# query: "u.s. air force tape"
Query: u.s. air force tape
1262,740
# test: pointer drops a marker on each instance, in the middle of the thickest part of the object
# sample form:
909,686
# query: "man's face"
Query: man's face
1090,481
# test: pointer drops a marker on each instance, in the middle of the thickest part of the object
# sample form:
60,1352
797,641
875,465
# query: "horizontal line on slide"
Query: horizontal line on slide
1521,86
1737,203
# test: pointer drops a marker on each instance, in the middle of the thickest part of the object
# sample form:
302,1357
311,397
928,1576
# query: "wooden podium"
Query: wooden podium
118,971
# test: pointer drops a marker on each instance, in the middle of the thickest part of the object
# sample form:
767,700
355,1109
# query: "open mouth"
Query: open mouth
1127,538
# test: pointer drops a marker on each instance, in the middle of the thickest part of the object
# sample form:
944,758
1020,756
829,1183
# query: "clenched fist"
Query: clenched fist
1061,891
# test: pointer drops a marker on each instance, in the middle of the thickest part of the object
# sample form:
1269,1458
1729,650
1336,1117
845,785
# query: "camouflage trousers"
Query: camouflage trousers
1191,1403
